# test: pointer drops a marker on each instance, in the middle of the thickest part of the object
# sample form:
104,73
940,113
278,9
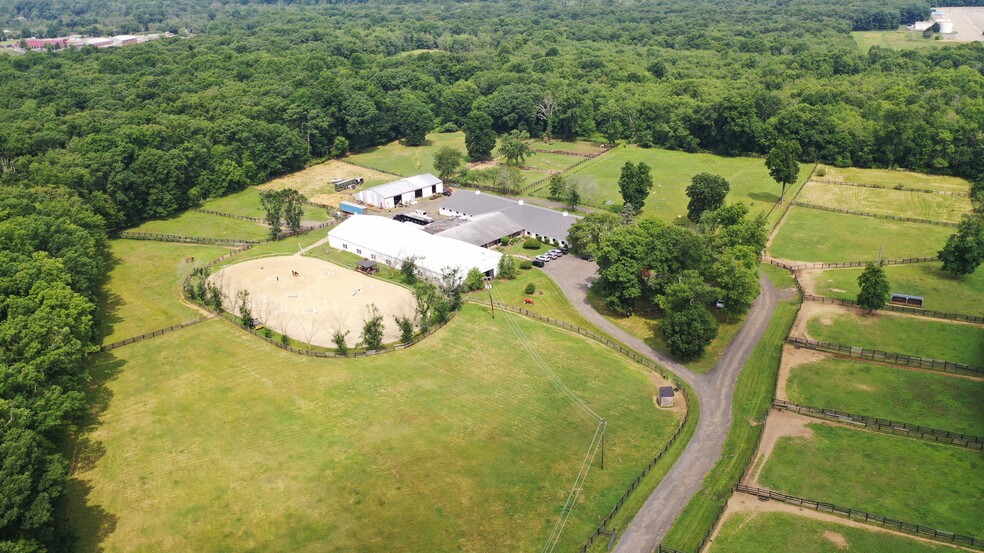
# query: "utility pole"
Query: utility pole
488,286
604,427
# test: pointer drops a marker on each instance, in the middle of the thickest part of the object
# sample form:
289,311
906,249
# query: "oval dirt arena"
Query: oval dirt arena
323,297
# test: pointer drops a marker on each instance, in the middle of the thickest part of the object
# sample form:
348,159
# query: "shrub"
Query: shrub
504,241
822,172
475,280
526,264
531,244
530,288
448,127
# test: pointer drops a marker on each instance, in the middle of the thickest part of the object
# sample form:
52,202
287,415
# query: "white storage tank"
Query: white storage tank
946,26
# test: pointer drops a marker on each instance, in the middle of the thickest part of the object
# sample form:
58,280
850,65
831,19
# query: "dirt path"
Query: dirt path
744,503
715,391
779,424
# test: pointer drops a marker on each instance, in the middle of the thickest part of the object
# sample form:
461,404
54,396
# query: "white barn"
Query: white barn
387,241
404,191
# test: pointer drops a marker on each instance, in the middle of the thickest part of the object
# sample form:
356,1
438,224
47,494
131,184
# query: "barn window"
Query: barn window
357,250
373,256
344,246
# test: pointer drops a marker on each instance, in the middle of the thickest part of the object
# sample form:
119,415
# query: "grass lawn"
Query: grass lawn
409,160
942,291
753,395
929,399
193,223
577,147
211,440
517,248
901,39
890,178
919,482
247,203
646,328
815,235
774,531
961,343
898,203
551,162
142,292
549,299
672,170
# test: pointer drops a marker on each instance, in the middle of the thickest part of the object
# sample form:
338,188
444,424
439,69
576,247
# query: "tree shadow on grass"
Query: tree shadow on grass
109,303
88,524
767,197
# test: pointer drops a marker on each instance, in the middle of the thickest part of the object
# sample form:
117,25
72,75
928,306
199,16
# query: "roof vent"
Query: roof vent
520,202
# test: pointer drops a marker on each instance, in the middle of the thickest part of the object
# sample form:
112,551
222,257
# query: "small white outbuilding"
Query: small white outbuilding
387,241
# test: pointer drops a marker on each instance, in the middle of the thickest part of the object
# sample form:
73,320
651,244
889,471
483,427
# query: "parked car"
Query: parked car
538,262
586,257
719,304
564,250
556,252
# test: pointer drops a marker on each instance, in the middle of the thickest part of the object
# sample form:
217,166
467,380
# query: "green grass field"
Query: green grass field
890,178
898,203
551,162
211,440
409,160
929,399
193,223
815,235
646,328
142,292
899,39
672,171
942,291
577,147
753,395
961,343
775,531
247,203
549,299
919,482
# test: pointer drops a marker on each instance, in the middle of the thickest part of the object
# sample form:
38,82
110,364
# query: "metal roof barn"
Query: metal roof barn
390,242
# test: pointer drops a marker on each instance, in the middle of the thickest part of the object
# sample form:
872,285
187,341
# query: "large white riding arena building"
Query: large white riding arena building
387,241
403,191
539,222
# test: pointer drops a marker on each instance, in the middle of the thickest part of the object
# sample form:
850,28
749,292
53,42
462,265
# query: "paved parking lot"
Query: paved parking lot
968,23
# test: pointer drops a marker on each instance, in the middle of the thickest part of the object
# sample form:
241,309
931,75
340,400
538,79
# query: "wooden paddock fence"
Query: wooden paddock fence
185,239
884,356
863,516
230,215
885,425
900,189
901,309
849,264
876,215
172,328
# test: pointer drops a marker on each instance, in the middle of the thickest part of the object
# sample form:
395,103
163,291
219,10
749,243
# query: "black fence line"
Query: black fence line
230,215
900,309
901,188
864,516
184,239
885,356
560,153
876,215
172,328
885,425
849,264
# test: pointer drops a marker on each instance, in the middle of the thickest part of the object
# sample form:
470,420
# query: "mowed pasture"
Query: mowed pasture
142,292
208,439
203,225
672,171
247,203
813,235
916,336
785,531
405,160
919,482
899,39
548,299
942,291
889,202
937,400
315,181
890,178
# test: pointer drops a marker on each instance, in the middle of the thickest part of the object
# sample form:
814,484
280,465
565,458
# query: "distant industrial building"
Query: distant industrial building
387,241
403,191
539,222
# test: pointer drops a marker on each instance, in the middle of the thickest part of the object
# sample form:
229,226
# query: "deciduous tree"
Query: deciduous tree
479,136
964,250
875,290
634,183
707,193
783,164
447,161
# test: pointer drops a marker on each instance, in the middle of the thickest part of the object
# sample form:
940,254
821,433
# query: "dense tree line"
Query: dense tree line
260,90
51,265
